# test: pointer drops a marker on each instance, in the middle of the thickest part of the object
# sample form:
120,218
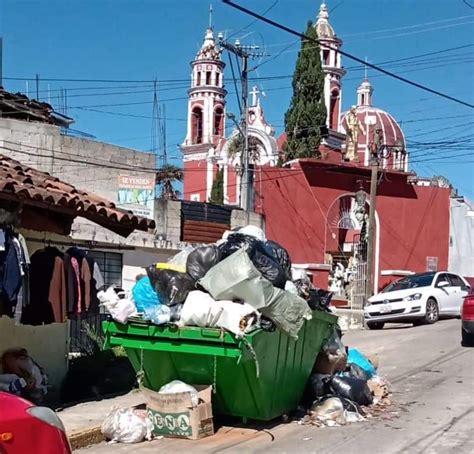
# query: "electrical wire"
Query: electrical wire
346,54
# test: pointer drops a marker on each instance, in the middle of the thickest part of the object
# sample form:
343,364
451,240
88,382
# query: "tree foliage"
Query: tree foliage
307,112
217,190
236,147
166,176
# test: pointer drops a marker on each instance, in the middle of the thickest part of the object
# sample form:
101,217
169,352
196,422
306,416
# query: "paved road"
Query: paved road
433,384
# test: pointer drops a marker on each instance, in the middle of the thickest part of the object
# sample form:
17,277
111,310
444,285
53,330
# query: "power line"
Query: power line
345,54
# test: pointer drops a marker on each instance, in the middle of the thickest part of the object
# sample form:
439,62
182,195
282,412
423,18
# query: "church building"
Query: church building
318,208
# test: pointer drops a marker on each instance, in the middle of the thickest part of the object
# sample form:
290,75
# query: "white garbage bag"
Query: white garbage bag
256,232
119,305
200,309
178,386
125,425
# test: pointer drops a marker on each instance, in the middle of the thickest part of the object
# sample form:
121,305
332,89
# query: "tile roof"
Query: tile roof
19,106
42,190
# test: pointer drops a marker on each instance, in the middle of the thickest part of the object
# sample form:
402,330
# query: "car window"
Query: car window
414,281
456,281
441,278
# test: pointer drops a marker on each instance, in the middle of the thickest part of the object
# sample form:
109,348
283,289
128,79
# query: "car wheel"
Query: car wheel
432,312
467,339
375,325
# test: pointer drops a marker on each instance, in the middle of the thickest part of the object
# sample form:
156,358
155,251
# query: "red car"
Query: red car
26,428
467,318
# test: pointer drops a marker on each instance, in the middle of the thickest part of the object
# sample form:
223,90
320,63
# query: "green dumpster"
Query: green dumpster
209,356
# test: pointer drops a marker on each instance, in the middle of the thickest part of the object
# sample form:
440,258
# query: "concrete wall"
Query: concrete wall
88,164
461,234
48,345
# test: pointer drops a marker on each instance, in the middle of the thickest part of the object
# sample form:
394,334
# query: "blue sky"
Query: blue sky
142,40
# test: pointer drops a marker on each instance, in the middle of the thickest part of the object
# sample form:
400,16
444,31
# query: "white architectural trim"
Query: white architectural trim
312,266
396,273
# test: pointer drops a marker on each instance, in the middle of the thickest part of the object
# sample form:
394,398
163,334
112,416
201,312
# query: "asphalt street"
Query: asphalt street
432,379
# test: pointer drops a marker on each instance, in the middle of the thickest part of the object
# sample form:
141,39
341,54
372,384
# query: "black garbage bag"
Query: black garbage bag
351,388
266,324
281,256
201,260
235,242
171,286
355,371
303,286
319,299
270,269
259,255
319,385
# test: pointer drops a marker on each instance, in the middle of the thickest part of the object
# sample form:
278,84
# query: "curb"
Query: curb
86,438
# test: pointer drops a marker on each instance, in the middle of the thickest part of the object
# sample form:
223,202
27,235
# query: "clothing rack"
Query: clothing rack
89,244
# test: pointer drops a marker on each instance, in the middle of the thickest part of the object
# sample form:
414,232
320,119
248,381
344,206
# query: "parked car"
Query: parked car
467,319
26,428
418,299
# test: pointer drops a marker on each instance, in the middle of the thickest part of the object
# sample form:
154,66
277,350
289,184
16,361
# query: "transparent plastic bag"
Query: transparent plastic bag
181,257
159,315
125,425
177,386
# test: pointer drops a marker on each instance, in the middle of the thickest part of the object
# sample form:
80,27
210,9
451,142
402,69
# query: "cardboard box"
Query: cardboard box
173,415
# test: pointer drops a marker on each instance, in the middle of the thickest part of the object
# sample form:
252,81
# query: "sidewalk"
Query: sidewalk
83,421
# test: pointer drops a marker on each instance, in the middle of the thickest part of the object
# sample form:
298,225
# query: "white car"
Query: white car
418,299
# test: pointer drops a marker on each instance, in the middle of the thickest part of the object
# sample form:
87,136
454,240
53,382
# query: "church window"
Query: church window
196,125
208,77
326,57
218,122
217,79
198,81
334,109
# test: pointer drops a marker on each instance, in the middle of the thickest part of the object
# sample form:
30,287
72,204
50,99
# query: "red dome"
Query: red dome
369,117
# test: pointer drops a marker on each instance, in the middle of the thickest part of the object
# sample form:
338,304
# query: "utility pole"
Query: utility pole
244,53
370,233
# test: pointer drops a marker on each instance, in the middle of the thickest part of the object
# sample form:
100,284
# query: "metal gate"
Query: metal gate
360,274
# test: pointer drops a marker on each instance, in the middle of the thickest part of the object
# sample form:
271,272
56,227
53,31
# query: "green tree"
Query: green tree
236,147
217,190
307,112
166,176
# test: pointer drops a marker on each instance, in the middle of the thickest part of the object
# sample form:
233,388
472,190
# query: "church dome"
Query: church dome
323,27
372,118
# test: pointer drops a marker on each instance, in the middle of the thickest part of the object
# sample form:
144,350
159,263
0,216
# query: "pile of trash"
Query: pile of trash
344,387
22,376
240,283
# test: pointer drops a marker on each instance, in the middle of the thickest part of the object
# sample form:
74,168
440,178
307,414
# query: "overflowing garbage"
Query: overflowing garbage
344,387
241,283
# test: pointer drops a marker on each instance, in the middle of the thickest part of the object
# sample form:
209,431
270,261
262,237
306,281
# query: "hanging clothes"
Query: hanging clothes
11,274
47,288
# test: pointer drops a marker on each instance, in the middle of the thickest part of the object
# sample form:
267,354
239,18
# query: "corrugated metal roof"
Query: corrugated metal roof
42,190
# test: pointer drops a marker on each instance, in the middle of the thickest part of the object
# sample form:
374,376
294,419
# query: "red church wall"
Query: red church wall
414,229
195,180
414,220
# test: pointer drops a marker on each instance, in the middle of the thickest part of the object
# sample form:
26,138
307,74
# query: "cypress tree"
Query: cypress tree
217,190
307,112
